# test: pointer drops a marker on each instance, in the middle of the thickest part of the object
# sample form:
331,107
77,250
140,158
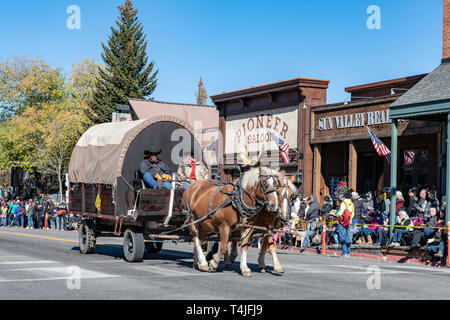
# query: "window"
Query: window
415,171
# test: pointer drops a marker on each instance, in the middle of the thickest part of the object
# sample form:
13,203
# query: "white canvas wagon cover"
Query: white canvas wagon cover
95,158
99,155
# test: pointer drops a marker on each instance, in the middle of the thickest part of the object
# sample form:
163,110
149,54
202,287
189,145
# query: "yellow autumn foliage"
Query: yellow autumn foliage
45,116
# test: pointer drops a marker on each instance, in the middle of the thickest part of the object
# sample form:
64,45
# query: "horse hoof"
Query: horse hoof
247,273
212,266
278,270
203,267
262,270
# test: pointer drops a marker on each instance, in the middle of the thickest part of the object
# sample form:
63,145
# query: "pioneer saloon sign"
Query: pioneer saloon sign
353,120
254,129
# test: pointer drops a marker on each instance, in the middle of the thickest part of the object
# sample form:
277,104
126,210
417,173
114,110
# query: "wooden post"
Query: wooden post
83,199
352,166
317,174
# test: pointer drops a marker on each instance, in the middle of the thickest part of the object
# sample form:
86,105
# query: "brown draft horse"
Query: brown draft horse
286,191
259,188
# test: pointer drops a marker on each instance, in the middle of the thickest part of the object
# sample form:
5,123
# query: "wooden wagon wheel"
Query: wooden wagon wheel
133,245
87,238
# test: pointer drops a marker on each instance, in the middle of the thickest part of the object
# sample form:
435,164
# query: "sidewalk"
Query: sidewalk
397,255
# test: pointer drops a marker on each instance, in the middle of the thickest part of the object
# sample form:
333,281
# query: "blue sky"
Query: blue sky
236,44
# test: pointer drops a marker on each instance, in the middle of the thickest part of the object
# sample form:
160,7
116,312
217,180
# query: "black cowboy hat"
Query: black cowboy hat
152,151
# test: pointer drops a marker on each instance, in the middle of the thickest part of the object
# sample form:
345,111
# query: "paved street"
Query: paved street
34,264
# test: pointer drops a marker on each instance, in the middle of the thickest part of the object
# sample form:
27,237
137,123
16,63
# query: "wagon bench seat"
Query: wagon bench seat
156,202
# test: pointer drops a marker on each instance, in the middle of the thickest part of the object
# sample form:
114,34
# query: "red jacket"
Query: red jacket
399,205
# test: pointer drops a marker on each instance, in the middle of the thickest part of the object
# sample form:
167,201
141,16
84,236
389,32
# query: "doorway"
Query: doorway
370,170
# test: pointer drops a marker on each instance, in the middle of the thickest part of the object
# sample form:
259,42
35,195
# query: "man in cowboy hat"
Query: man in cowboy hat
191,169
155,171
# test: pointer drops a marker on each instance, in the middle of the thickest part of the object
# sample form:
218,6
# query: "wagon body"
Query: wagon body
105,186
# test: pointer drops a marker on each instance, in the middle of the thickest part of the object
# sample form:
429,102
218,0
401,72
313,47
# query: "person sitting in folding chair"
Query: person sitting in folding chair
383,231
406,228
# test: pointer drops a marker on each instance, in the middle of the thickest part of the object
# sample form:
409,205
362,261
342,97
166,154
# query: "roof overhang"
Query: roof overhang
419,110
270,88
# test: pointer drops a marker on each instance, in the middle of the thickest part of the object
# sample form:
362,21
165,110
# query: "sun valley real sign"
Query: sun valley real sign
354,120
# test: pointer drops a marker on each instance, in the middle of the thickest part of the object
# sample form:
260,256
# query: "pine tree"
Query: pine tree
201,94
127,73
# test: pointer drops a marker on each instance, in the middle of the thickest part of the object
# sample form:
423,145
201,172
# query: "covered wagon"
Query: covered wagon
106,188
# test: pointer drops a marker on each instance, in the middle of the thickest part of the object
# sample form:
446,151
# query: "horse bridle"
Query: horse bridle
266,186
243,208
284,196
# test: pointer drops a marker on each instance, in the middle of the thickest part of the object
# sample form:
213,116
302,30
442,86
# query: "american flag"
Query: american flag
382,150
283,146
408,156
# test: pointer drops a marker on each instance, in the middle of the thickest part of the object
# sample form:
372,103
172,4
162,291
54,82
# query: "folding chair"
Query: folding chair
406,239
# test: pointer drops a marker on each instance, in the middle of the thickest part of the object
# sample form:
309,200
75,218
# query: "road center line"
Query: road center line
41,237
28,262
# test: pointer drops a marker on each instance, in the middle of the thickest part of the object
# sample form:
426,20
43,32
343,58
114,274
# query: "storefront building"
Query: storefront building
343,149
428,100
249,116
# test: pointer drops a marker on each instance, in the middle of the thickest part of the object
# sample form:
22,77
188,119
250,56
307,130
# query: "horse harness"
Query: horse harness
235,199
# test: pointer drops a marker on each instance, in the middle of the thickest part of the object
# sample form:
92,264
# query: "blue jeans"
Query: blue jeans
352,232
428,233
398,234
382,236
433,249
59,222
16,220
151,182
4,222
30,221
185,185
336,237
21,218
307,240
344,239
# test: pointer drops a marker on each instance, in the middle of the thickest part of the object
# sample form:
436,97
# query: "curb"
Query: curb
384,258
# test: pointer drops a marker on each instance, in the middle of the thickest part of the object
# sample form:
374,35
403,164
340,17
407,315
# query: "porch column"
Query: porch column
317,173
352,166
447,185
393,188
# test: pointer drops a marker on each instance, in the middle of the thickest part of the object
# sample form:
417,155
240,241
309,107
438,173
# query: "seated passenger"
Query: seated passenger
191,170
156,174
406,227
436,245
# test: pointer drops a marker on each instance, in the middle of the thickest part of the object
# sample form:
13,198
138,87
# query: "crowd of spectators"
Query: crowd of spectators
38,213
419,221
